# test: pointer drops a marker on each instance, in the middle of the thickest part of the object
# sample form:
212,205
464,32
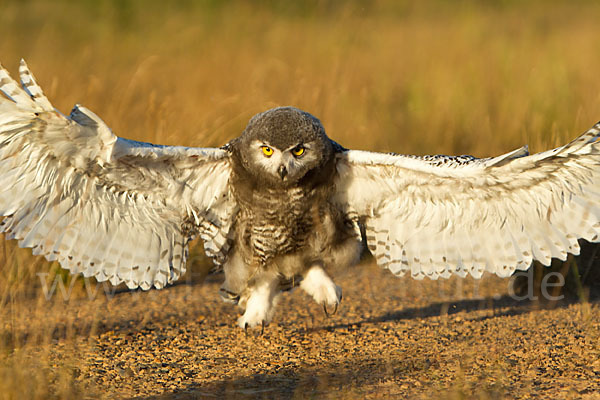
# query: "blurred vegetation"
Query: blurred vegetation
421,77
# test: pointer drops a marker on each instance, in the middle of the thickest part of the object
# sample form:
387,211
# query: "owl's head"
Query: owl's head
281,146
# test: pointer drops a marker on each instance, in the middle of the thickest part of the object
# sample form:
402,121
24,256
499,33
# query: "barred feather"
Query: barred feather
104,206
439,215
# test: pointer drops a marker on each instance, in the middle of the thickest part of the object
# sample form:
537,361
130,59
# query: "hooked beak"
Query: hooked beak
282,170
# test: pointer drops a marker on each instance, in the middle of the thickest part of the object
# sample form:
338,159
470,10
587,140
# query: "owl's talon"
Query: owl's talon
229,296
335,307
262,329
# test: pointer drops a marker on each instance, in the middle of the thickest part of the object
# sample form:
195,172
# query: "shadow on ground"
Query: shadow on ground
354,378
328,379
497,307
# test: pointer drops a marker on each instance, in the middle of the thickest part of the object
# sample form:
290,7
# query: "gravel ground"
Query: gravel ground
390,338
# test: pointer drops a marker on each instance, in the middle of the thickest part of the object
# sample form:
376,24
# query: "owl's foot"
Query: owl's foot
319,285
250,321
260,301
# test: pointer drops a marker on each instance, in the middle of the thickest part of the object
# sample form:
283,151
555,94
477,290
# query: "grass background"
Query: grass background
420,77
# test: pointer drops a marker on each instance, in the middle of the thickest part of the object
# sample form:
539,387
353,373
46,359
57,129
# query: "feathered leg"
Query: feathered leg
259,300
319,285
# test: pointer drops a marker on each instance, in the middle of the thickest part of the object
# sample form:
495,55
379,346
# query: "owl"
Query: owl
280,205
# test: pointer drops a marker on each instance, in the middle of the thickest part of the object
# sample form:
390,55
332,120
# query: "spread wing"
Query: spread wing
438,215
108,207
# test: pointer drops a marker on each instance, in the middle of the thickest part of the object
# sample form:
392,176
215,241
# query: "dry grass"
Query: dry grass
413,77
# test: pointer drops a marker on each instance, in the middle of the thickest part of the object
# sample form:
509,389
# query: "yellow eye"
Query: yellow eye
267,151
298,151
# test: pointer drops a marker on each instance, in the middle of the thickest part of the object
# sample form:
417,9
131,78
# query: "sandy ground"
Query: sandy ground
390,338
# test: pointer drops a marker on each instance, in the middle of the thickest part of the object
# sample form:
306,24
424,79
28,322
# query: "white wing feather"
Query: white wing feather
436,216
104,206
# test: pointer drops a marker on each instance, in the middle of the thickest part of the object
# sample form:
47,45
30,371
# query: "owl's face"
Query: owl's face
281,146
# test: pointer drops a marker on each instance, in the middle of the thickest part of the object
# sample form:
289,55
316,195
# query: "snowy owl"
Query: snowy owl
279,205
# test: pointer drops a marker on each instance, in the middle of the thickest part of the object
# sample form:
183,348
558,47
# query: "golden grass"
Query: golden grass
411,77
